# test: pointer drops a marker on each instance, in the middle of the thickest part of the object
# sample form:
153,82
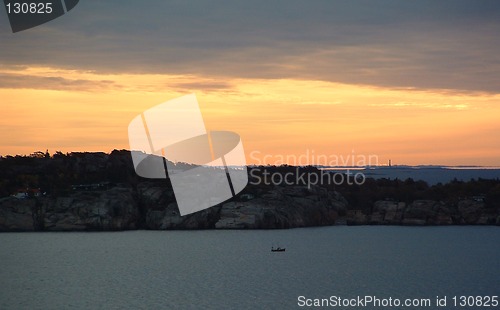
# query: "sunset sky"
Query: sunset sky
417,83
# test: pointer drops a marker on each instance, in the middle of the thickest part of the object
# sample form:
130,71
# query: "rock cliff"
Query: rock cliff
152,206
426,212
113,209
99,191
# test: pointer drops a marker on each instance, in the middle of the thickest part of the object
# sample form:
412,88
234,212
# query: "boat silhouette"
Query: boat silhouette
278,249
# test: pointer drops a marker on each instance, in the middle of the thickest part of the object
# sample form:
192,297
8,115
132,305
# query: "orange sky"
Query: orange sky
82,111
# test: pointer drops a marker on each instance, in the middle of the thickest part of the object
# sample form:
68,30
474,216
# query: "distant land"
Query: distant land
83,191
430,174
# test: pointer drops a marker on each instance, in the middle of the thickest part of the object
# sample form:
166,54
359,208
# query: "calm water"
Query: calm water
235,269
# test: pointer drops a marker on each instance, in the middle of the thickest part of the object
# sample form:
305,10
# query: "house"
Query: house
246,197
27,192
478,198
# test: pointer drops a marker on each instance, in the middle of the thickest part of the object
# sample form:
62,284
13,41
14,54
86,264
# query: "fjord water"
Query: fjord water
236,269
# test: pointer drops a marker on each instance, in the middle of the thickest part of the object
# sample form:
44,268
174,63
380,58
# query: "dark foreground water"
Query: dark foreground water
236,270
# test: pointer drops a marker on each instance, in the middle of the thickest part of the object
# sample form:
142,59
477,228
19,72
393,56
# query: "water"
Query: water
235,269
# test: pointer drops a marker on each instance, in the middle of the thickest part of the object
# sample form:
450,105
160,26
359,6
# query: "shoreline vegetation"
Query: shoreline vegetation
101,192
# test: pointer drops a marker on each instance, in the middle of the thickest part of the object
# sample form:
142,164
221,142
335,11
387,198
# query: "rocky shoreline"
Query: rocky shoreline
151,206
426,212
102,192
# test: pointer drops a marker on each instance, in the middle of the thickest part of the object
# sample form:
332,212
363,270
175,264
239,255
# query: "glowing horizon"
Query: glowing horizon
64,110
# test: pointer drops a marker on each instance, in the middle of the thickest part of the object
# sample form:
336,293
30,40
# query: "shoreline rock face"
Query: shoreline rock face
283,207
98,191
16,215
425,212
153,207
114,209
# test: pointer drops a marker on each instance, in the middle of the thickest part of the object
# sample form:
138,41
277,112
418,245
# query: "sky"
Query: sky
415,82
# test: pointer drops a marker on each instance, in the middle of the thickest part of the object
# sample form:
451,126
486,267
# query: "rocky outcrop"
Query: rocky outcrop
281,207
99,191
151,205
161,212
114,209
16,214
426,212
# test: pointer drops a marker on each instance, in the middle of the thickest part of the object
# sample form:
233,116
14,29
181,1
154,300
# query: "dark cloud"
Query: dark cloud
422,44
8,80
204,86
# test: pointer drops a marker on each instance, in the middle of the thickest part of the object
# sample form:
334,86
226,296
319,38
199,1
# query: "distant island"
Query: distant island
83,191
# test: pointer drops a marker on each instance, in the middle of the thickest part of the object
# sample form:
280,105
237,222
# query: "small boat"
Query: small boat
278,249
